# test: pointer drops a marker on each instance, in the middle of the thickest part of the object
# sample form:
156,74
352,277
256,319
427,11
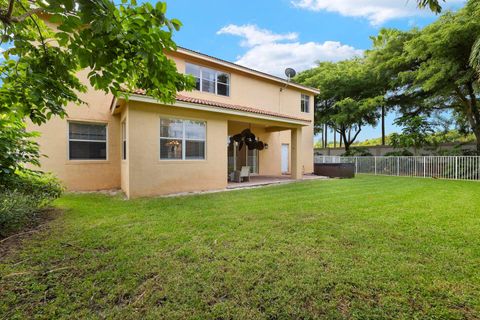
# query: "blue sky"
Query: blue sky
270,35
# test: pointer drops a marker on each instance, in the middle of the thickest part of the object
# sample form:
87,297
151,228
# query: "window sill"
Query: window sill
210,94
182,161
77,162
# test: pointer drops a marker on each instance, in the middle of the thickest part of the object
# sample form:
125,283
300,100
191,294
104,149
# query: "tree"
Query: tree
416,132
380,41
122,45
429,70
349,97
434,5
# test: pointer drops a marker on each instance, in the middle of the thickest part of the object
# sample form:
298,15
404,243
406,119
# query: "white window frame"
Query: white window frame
305,98
216,79
183,139
83,140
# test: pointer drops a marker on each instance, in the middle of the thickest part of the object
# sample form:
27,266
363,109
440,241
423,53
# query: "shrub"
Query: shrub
357,152
22,196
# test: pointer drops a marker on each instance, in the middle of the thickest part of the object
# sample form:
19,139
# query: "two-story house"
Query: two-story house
149,148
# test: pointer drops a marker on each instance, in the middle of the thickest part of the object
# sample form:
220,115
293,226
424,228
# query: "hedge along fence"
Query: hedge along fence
441,167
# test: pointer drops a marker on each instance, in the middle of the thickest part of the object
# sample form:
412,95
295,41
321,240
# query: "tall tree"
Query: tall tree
349,97
122,45
430,69
436,7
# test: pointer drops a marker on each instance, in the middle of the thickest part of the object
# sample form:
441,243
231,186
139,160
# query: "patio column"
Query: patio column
296,154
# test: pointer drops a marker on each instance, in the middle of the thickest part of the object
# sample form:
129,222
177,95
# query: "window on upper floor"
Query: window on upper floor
209,80
182,139
305,103
87,141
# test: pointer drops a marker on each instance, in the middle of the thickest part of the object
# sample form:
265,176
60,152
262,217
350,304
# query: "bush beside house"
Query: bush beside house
23,196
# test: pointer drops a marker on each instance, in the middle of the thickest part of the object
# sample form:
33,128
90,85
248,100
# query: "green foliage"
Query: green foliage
121,47
450,136
349,98
16,147
475,55
415,133
22,196
373,142
433,5
429,70
357,152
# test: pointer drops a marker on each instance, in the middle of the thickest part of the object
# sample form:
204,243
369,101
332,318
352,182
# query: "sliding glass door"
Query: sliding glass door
237,158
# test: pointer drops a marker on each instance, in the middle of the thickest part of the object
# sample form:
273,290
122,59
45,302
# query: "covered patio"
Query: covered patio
264,180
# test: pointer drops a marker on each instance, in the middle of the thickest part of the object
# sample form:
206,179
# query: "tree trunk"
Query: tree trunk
471,110
346,145
326,136
475,114
383,125
343,136
477,137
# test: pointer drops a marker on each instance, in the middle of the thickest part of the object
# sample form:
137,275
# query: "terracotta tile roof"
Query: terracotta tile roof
228,106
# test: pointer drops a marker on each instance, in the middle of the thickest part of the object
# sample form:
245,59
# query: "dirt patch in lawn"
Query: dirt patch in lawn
39,223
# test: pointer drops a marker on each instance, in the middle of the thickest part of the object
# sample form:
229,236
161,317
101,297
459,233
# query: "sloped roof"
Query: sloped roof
236,107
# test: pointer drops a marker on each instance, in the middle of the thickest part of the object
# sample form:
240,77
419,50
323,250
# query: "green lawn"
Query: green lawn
372,247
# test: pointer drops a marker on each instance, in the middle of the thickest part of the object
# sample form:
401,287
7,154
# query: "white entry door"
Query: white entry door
285,158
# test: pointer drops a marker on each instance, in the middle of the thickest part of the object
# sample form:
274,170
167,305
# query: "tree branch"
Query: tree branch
42,40
356,134
10,9
24,16
473,103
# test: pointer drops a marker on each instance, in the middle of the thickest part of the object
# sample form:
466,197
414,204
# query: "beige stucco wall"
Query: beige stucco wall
125,163
248,90
79,175
143,173
151,176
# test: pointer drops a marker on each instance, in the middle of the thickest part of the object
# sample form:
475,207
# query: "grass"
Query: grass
372,247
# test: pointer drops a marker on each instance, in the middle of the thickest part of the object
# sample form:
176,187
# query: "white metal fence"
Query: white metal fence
440,167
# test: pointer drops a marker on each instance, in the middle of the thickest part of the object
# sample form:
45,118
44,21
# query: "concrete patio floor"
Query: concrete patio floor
257,181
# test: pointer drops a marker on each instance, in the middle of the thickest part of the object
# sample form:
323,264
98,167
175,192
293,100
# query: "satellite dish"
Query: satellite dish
290,73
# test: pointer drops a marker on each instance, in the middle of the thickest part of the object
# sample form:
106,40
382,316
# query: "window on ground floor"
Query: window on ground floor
182,139
87,141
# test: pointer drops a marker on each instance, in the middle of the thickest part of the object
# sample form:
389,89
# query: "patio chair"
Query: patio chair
242,175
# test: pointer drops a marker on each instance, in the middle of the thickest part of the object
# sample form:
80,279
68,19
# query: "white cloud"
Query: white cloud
376,11
272,53
254,35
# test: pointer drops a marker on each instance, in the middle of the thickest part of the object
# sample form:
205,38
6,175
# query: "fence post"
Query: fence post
398,166
356,165
424,167
456,168
375,165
